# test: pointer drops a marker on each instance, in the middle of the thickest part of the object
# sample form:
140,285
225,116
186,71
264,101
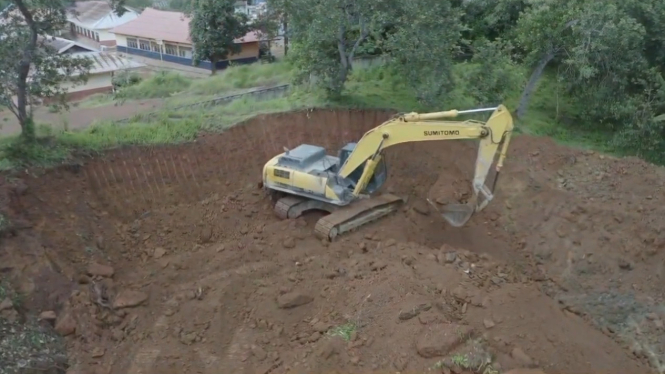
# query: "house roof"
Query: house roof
98,15
62,45
167,26
104,62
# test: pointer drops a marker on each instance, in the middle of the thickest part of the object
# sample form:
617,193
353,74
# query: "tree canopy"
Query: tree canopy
607,57
30,69
214,28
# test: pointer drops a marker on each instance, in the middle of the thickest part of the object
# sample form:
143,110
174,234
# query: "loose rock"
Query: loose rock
289,243
421,208
129,298
159,252
47,315
439,340
95,269
6,304
519,355
65,325
293,299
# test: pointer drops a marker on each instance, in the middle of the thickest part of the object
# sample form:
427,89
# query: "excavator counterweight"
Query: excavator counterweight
306,178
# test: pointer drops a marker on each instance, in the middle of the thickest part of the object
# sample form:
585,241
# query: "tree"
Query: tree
424,44
214,28
29,68
598,47
326,36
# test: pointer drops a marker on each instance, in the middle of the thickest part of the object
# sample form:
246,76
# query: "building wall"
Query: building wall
97,83
105,36
248,54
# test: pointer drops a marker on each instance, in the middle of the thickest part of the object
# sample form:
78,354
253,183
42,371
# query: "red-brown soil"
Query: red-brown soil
563,271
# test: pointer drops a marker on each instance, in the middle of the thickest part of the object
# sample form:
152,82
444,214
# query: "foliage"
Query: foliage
214,29
30,69
421,49
326,37
162,84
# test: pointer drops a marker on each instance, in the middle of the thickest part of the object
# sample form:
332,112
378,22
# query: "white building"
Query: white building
100,76
93,20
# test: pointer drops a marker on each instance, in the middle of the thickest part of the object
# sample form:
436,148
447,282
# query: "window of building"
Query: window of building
97,36
182,51
170,49
144,45
154,47
132,43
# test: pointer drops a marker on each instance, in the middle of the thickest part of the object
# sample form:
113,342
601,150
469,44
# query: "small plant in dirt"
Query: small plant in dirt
473,357
30,345
344,331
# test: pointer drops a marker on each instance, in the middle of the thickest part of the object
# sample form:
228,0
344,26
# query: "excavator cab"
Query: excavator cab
378,179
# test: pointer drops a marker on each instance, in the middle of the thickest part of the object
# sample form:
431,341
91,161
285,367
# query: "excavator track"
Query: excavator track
286,205
355,215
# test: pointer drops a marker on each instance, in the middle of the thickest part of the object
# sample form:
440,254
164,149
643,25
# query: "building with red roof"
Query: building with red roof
164,35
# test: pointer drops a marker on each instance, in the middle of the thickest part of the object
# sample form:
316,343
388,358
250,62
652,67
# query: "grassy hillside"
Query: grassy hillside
367,88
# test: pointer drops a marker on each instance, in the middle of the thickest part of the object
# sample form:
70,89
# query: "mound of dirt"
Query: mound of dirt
169,260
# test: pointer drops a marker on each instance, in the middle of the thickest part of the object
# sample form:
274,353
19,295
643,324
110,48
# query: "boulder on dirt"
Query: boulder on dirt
6,304
99,270
205,235
293,299
439,340
159,252
321,327
47,315
421,207
289,243
518,355
65,324
129,298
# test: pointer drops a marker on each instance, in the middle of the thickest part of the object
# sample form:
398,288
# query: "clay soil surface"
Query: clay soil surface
170,260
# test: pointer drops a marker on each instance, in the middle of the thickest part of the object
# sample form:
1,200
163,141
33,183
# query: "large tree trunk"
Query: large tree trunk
285,26
25,118
213,65
531,84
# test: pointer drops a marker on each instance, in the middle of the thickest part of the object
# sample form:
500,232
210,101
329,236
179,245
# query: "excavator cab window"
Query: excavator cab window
379,177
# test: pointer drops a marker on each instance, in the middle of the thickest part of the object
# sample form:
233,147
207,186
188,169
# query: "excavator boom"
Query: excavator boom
415,127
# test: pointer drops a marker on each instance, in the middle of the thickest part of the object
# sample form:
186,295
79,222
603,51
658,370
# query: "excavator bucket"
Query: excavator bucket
457,215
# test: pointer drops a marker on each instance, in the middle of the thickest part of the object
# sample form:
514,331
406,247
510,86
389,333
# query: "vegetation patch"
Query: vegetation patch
29,345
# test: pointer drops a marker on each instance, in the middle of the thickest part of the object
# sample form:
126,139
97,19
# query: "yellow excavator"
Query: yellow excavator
306,178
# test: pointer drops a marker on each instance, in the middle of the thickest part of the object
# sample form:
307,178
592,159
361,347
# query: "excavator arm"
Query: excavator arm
418,127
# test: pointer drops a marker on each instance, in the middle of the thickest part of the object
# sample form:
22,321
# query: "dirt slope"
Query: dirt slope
170,261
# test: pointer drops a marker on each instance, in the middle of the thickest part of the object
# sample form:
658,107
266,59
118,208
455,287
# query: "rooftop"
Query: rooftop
63,45
166,26
104,62
99,15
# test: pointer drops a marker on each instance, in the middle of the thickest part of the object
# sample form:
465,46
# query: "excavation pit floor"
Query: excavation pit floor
170,260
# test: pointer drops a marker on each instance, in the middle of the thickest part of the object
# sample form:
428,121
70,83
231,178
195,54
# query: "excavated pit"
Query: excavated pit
563,271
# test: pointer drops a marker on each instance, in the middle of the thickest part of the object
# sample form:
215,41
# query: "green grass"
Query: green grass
242,77
181,90
160,85
344,331
549,114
